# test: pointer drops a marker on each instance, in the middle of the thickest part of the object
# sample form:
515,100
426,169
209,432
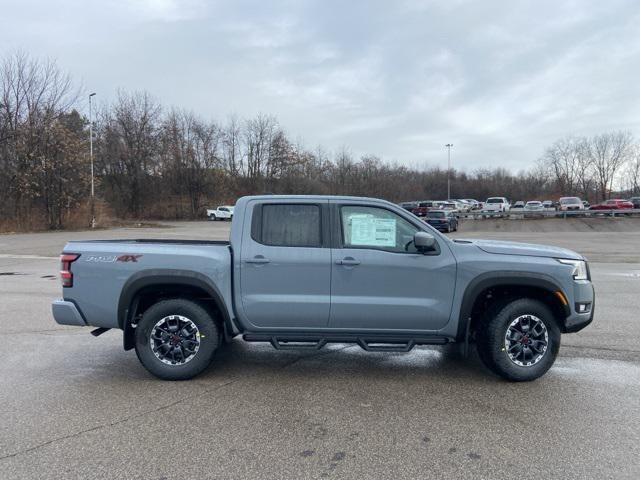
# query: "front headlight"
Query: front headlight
579,268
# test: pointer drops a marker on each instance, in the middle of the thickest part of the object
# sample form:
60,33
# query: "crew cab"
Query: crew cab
304,271
224,212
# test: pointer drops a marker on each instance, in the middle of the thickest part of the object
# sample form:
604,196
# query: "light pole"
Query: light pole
93,197
449,145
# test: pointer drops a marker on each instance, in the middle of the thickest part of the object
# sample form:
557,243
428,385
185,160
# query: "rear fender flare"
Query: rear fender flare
148,278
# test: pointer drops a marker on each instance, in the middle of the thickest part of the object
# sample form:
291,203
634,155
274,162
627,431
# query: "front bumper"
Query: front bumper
583,293
66,313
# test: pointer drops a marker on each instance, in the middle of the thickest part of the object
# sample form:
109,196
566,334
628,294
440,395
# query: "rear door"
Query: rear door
379,281
286,265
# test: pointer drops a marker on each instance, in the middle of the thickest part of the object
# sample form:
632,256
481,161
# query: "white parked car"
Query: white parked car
497,204
475,204
534,206
223,212
462,205
571,203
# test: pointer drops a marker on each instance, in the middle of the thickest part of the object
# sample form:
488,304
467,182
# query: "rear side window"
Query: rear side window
288,225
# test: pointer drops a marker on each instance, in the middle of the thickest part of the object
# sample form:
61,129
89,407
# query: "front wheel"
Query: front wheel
519,341
176,339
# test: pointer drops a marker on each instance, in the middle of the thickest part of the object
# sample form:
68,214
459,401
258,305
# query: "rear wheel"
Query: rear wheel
519,340
176,339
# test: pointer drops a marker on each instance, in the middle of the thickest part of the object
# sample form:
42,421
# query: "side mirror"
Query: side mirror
424,241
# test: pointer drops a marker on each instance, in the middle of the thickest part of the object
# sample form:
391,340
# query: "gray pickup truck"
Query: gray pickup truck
303,271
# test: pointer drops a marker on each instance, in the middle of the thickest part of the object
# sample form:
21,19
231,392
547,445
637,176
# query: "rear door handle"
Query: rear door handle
258,259
348,261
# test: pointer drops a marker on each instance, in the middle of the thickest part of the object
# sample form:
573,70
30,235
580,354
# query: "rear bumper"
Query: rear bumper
440,228
66,313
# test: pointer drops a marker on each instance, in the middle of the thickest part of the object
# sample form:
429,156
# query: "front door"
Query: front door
285,266
380,281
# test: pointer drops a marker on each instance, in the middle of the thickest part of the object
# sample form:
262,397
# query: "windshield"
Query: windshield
569,200
495,200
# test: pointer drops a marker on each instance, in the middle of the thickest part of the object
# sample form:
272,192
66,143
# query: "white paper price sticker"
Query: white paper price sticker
374,232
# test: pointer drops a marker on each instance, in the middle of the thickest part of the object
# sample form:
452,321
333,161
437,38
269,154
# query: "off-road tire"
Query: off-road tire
491,335
208,336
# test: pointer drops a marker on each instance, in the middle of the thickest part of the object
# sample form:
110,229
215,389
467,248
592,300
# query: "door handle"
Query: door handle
348,261
258,259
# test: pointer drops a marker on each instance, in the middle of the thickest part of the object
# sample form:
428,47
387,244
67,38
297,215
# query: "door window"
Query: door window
377,228
289,225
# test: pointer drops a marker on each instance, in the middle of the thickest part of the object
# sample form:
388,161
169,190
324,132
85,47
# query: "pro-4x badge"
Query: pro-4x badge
128,258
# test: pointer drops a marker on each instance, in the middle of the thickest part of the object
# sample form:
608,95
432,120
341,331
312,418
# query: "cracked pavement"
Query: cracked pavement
75,406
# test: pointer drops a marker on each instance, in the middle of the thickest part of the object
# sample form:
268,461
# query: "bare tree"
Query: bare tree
608,152
258,133
34,96
231,144
563,159
632,172
128,147
189,154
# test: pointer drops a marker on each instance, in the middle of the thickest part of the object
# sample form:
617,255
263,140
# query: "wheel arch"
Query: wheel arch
536,285
157,283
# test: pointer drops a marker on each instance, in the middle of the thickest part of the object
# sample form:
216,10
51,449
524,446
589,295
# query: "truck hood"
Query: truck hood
529,249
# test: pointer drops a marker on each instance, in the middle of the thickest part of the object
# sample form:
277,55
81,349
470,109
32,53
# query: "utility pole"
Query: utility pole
449,145
93,196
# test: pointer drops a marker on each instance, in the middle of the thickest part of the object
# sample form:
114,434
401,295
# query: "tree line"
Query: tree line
153,162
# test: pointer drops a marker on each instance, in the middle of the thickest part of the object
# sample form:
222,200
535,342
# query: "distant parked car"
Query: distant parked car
533,207
444,205
462,205
443,220
496,204
635,201
224,212
613,204
409,206
519,205
475,204
548,204
586,204
421,209
570,203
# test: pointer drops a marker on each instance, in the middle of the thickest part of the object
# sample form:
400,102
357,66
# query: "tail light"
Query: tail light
66,259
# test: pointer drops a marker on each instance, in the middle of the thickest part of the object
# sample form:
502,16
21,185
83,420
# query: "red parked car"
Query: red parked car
613,204
422,208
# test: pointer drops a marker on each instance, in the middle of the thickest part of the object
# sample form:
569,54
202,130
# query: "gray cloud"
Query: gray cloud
501,80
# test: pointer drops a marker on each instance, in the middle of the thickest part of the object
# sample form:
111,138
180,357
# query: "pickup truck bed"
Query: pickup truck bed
302,271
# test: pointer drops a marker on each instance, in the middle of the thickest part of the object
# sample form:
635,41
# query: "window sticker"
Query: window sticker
371,231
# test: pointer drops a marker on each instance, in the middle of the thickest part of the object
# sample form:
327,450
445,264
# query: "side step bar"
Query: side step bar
370,343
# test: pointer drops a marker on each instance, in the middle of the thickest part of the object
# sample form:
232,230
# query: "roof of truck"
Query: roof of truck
311,197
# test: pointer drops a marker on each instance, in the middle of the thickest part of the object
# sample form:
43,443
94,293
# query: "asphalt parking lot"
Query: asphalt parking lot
75,406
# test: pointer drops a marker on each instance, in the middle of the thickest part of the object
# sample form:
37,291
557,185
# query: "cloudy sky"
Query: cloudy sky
498,79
